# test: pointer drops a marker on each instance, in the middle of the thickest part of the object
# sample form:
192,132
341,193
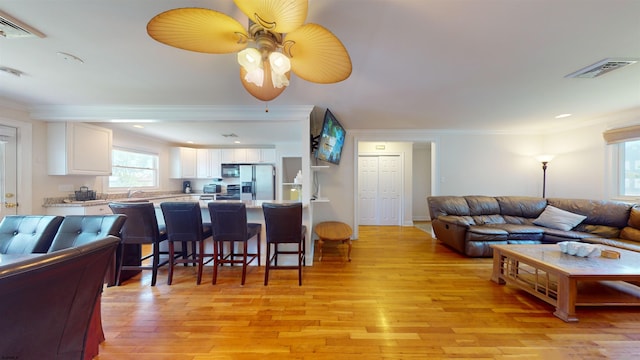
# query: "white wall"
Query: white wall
421,181
466,163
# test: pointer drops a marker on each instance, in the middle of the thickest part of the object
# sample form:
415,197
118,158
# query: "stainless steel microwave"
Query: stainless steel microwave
230,170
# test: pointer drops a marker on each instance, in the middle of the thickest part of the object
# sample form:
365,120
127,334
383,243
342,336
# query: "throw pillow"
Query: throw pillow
559,219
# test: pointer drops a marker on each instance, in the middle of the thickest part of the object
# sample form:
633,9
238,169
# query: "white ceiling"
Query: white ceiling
417,64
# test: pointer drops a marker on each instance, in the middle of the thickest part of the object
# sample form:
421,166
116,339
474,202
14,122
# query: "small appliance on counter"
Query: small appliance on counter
212,189
85,194
186,187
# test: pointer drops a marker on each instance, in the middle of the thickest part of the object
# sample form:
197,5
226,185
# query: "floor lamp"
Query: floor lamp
544,159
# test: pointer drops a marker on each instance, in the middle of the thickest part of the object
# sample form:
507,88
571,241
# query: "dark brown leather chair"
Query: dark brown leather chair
229,225
26,234
284,227
48,301
140,228
76,230
184,225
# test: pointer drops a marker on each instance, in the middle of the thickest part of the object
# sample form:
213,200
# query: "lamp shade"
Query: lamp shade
544,158
267,91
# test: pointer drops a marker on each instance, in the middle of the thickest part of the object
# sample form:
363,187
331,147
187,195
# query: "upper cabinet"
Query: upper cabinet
231,156
78,149
268,156
183,163
248,156
208,163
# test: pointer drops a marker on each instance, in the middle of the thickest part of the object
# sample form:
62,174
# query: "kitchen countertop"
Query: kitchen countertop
75,203
250,204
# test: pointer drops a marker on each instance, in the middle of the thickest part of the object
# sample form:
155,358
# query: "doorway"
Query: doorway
8,171
379,189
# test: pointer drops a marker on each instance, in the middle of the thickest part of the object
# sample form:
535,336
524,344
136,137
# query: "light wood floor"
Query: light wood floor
404,296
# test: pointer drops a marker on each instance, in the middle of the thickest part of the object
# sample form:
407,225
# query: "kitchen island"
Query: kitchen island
254,215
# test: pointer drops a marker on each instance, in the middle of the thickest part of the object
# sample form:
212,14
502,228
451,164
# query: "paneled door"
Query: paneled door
379,190
8,171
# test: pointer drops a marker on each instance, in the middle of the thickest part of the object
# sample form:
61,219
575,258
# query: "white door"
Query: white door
367,189
379,190
389,190
8,171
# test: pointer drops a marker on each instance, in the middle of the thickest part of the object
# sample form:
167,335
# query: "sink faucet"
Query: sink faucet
130,193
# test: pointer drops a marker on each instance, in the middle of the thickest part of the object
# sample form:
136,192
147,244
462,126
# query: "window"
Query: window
133,169
629,165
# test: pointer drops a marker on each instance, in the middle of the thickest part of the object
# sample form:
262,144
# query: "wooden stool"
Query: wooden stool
333,231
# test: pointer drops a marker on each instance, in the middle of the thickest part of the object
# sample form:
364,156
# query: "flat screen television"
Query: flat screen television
331,140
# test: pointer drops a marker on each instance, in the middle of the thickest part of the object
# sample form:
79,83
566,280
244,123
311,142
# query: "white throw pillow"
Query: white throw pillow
559,219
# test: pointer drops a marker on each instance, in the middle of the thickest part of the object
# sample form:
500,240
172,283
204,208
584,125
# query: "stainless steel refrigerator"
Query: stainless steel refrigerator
258,182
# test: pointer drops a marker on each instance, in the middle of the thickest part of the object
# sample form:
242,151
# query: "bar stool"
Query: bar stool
184,224
229,225
141,227
283,224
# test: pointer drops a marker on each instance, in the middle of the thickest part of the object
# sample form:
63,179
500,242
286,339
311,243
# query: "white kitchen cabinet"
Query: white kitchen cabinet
252,156
234,156
268,156
78,149
248,156
102,209
208,163
183,163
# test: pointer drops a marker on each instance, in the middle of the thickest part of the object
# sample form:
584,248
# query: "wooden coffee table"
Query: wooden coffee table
567,281
333,231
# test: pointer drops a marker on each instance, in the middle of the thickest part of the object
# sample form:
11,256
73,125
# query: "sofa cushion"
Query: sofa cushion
447,205
599,230
521,206
521,232
482,205
458,220
559,219
634,217
486,233
488,219
629,233
619,243
554,235
598,212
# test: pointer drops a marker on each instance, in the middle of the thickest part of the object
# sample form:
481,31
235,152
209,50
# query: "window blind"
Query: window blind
619,135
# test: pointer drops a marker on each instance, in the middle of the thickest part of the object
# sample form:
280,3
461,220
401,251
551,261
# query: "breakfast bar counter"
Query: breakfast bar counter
254,215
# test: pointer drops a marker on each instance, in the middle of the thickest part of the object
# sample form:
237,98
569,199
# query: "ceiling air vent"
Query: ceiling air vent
601,67
12,28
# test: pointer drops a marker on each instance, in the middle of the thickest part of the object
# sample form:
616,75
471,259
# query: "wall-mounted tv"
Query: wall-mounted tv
331,140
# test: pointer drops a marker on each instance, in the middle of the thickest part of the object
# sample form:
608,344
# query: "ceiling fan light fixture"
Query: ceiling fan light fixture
267,91
283,43
251,61
280,66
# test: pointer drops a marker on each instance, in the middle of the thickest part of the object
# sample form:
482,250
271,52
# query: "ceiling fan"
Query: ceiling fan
282,42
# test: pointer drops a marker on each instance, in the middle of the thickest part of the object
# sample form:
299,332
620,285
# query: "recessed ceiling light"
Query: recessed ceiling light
236,142
138,126
189,142
562,116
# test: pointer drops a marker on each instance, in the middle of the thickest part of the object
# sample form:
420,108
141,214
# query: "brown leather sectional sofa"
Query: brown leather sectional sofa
471,224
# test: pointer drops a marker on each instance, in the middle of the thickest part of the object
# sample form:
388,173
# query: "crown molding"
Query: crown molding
170,113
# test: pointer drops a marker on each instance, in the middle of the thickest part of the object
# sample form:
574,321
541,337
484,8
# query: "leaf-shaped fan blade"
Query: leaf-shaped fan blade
280,16
317,55
200,30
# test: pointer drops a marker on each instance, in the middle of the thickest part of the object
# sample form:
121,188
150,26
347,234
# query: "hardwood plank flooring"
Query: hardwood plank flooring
403,296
